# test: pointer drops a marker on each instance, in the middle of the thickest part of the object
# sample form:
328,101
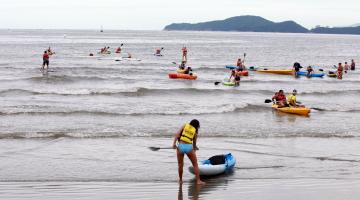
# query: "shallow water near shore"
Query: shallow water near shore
82,131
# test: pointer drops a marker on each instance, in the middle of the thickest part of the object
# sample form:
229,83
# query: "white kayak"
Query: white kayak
216,165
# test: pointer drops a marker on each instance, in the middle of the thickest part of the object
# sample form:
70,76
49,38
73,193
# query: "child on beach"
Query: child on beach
186,138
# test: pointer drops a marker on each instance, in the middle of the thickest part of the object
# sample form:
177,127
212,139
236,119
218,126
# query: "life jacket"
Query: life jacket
291,98
280,97
188,134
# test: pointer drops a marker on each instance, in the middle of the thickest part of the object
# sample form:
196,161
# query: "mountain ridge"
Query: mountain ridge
250,23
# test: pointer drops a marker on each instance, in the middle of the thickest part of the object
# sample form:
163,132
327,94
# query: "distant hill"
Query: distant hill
249,23
337,30
241,23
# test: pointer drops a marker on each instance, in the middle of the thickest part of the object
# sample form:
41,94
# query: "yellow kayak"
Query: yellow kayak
180,71
277,71
292,110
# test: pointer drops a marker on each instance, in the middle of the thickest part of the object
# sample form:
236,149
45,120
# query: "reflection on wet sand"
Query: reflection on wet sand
196,191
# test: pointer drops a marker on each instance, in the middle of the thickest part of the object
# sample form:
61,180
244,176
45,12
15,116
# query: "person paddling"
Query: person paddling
158,51
352,64
279,99
186,138
292,100
296,68
240,65
118,50
45,60
340,70
309,71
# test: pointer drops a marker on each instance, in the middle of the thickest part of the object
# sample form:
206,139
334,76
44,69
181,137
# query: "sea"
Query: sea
81,129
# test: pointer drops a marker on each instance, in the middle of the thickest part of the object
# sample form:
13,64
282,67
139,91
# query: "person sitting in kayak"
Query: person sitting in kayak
186,138
188,70
296,67
292,100
309,71
232,74
340,70
352,64
182,65
279,99
240,65
158,51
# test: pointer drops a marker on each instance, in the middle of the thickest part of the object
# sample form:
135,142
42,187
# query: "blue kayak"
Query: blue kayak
231,67
301,73
216,165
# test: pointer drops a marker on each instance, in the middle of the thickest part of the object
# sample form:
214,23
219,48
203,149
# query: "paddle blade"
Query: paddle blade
321,70
217,83
174,63
154,148
268,100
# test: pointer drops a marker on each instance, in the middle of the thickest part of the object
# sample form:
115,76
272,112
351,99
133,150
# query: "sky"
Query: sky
155,14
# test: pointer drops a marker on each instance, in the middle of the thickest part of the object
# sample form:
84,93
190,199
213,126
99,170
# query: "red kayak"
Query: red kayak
183,76
243,73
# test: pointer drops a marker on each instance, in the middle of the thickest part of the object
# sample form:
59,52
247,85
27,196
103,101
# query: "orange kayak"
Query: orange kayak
183,76
277,71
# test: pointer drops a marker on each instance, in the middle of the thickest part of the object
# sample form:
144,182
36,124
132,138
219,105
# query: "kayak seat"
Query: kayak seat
217,160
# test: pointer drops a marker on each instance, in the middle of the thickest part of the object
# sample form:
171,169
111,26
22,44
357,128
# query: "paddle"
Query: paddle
270,101
158,148
217,83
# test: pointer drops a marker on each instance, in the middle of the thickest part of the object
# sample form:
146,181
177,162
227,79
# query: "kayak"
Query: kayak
292,110
243,73
312,75
183,76
277,71
216,165
331,74
107,52
228,82
252,68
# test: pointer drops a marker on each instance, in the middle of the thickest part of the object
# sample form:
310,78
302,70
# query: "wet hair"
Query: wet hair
281,90
45,51
294,91
195,123
345,62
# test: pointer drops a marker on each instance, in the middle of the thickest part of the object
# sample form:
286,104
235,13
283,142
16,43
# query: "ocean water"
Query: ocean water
91,119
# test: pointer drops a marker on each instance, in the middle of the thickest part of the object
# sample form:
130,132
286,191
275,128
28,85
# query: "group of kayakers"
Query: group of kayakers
340,69
280,99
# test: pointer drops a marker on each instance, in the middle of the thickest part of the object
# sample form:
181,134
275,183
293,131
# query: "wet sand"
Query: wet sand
124,168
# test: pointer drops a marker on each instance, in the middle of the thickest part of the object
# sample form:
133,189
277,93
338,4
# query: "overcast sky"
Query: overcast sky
155,14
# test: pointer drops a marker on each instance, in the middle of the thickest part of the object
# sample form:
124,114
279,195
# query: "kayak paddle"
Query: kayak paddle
158,148
217,83
270,101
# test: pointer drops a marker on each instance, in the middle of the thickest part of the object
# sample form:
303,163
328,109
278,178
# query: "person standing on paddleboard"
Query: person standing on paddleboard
45,61
184,54
186,138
